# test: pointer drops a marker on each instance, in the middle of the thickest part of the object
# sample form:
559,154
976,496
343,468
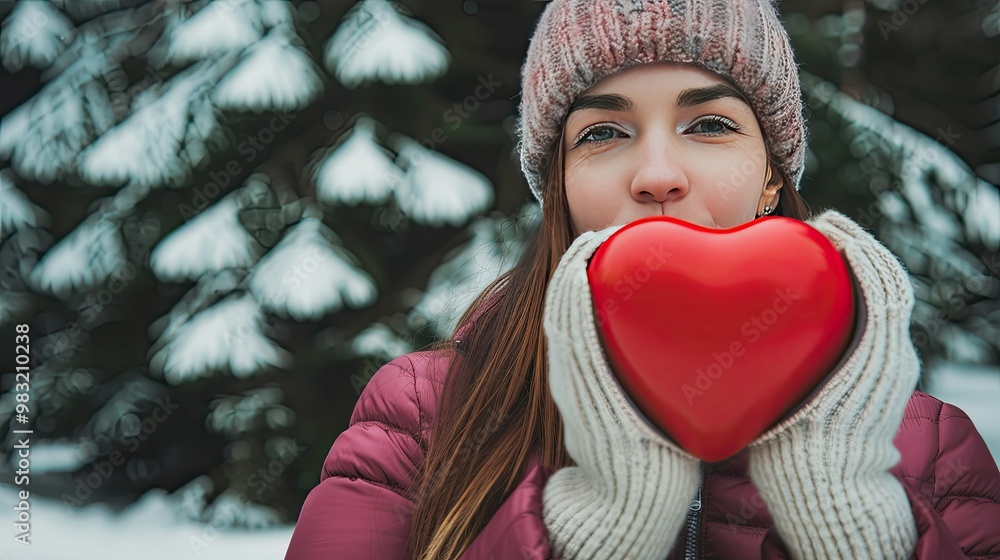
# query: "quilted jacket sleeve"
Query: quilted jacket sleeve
362,505
955,498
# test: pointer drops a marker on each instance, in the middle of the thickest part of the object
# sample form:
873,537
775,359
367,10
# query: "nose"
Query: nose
659,175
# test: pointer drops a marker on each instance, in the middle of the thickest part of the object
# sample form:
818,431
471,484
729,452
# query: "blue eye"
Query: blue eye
717,126
602,135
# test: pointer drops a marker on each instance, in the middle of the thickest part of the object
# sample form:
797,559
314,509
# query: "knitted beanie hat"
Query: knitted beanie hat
579,42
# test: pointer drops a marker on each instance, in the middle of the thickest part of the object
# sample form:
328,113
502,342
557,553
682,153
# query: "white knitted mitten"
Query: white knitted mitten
628,493
824,471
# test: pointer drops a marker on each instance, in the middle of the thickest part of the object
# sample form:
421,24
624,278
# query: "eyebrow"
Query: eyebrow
687,98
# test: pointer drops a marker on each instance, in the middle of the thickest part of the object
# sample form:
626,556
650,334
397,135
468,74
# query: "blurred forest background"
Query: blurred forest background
220,218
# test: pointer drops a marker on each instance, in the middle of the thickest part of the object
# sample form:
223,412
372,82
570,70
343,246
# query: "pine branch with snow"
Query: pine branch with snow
377,43
358,171
274,75
213,241
307,275
82,260
437,190
229,335
164,141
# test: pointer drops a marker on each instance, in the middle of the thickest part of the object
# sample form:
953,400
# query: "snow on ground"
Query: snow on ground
151,529
147,530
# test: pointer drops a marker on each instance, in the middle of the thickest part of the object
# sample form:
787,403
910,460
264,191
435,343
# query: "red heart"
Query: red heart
717,334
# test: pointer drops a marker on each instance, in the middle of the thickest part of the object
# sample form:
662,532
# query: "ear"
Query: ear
771,193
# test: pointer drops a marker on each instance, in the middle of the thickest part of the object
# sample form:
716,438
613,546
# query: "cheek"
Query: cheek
584,204
733,184
581,193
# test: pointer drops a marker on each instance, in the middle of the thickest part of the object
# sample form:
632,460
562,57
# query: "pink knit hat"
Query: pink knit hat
579,42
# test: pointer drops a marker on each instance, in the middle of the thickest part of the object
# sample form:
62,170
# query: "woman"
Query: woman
514,440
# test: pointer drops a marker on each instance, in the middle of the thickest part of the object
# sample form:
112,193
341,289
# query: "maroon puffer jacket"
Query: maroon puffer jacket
361,508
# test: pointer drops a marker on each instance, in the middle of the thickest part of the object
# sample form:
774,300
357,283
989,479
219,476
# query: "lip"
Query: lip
663,212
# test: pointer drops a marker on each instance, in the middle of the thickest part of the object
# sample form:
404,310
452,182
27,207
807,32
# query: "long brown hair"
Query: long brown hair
496,408
790,202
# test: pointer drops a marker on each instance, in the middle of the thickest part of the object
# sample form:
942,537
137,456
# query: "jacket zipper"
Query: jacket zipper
694,511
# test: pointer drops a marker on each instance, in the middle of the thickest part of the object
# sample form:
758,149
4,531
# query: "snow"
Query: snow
206,292
376,43
917,192
160,143
82,260
214,240
275,12
57,456
14,126
151,529
221,26
982,215
359,170
437,190
379,341
226,335
273,75
306,276
34,33
16,211
44,135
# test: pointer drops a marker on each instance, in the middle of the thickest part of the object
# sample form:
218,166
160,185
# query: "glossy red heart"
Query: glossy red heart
714,334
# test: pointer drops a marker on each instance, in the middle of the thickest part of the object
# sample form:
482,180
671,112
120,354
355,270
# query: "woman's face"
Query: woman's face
664,139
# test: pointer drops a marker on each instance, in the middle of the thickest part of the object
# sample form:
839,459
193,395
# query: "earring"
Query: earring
767,209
